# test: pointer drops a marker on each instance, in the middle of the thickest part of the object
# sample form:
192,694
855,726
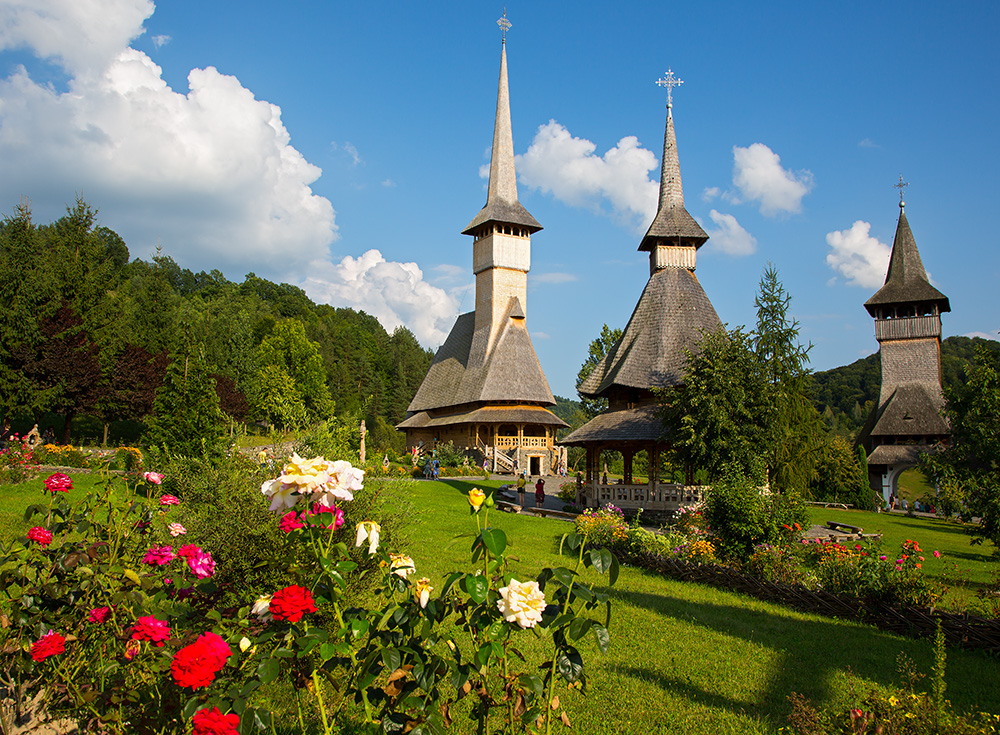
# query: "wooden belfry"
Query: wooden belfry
907,310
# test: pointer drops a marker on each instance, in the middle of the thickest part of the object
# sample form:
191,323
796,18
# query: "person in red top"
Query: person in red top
539,493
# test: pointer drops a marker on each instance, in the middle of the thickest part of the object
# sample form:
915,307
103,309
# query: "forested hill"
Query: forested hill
845,395
86,331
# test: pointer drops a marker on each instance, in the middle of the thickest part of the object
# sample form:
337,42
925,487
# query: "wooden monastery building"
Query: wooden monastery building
485,389
909,416
672,313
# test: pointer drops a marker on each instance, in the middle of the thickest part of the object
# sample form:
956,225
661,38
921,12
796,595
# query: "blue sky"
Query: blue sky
341,147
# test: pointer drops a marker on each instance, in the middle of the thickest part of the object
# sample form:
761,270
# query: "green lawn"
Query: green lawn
685,658
690,658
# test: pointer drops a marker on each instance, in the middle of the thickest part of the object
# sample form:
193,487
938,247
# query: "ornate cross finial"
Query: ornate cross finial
504,25
901,185
670,81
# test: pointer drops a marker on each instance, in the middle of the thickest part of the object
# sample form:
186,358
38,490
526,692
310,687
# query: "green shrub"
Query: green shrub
776,564
741,515
63,456
861,571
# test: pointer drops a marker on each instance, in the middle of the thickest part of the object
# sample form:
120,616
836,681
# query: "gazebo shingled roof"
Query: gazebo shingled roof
672,314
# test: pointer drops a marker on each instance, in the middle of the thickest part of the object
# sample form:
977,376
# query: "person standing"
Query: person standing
540,492
5,433
521,482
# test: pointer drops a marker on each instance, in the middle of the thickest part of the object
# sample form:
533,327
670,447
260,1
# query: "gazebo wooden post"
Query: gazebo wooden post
654,465
627,455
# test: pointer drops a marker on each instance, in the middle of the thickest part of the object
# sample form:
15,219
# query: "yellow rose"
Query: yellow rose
476,498
422,590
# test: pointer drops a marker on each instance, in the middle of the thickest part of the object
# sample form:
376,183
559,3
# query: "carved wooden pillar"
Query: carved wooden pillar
627,455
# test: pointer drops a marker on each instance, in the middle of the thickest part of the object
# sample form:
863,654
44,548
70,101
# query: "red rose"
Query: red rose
196,665
40,535
151,629
291,603
48,645
58,483
213,722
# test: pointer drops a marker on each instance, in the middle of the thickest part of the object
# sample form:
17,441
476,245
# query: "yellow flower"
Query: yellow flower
476,498
401,565
893,701
422,590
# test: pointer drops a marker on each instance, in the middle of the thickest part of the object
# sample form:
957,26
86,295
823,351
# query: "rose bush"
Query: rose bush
125,633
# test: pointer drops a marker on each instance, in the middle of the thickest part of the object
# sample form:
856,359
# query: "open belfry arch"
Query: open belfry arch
909,418
485,389
672,314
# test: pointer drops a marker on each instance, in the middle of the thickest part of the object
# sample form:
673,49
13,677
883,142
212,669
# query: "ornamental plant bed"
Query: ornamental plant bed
117,616
853,580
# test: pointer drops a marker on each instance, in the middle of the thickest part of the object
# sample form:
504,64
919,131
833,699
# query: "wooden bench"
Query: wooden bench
829,504
547,512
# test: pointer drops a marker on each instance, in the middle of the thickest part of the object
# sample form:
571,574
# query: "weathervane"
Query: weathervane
670,81
901,185
504,24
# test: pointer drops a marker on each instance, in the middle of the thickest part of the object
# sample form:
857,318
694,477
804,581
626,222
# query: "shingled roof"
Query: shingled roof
906,281
511,372
670,318
913,409
641,424
483,415
672,221
501,199
890,454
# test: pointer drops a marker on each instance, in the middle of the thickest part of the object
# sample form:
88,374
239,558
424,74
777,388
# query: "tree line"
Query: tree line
85,331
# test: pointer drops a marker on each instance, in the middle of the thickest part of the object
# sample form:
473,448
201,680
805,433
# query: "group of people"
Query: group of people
522,483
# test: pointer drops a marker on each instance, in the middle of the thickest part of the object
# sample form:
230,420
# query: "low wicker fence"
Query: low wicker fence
960,629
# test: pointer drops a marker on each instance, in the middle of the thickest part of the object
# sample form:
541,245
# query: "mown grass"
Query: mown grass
687,657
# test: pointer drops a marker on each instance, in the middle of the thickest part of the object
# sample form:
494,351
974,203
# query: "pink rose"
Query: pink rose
99,615
176,529
188,550
157,556
169,500
58,483
202,564
154,477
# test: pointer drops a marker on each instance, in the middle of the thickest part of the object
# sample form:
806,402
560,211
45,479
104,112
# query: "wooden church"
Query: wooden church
485,389
671,316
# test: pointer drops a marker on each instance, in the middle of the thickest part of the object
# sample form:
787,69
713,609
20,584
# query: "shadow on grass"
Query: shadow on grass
813,652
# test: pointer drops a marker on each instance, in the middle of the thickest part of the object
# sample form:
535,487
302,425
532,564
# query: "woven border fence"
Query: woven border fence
960,629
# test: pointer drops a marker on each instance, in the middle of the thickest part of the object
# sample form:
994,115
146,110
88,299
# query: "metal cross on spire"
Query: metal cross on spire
901,185
670,81
504,25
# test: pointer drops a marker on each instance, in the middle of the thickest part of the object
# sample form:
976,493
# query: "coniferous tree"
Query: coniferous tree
796,430
186,416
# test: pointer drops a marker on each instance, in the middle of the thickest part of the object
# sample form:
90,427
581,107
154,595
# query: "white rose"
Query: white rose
368,530
522,603
262,608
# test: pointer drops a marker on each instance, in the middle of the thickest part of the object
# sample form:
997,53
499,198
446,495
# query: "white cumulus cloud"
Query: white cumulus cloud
759,176
208,172
568,168
857,256
729,236
394,293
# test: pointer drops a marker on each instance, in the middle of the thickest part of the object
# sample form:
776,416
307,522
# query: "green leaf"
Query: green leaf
601,559
483,654
613,571
569,664
268,670
532,684
132,577
391,659
603,637
359,626
477,587
452,578
572,540
579,627
495,540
